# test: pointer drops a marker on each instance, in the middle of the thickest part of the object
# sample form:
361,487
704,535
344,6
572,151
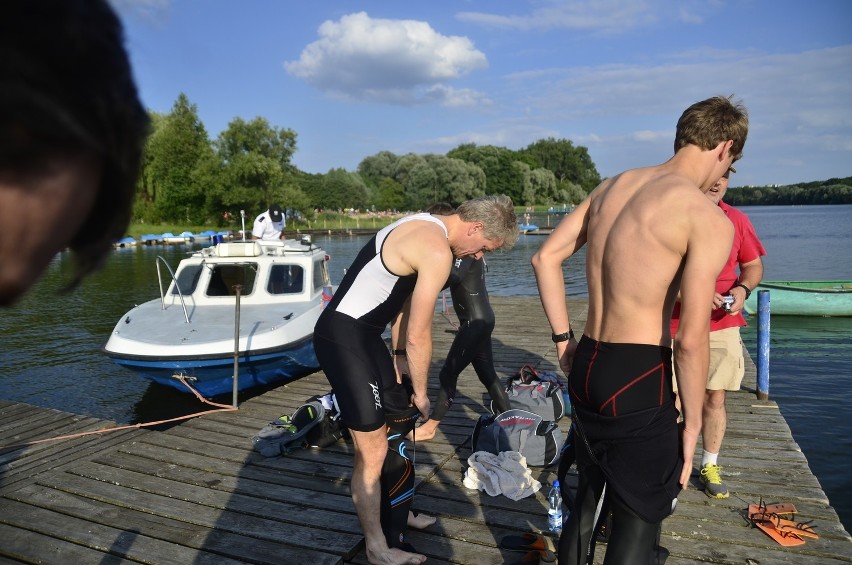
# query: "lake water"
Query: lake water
50,354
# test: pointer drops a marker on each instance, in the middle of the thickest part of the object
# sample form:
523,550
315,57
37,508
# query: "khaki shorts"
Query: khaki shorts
727,365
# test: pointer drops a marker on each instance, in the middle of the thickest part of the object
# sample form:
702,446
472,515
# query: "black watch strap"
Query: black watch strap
557,338
745,288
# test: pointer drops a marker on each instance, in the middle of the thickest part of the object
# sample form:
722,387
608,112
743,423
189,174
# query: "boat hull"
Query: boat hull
805,298
212,375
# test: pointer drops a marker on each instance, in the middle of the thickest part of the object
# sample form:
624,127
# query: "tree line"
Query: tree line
187,177
831,191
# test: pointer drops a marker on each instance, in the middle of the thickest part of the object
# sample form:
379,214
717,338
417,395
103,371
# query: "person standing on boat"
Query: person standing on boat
472,344
72,129
270,224
648,233
395,279
727,364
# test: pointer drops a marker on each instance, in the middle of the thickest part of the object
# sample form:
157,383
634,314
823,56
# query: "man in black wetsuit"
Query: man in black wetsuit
648,233
395,279
472,344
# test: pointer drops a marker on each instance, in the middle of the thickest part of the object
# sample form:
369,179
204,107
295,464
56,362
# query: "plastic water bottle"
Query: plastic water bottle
554,508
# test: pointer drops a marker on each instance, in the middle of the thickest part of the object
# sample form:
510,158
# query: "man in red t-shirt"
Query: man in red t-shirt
726,349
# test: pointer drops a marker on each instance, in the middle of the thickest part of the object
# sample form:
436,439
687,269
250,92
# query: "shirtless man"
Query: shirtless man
650,232
396,278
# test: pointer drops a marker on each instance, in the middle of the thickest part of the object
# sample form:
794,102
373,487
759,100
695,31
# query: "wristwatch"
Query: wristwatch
745,288
562,337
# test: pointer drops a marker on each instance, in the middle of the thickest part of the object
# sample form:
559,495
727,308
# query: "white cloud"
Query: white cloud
392,61
592,15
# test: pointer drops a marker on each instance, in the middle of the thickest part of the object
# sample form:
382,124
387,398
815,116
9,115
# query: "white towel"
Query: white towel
506,474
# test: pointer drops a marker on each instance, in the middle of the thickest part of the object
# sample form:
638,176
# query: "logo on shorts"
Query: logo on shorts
376,397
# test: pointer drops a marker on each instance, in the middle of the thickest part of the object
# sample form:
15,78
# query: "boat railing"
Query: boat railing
160,259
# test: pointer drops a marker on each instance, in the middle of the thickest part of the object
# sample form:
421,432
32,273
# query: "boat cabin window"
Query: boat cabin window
319,271
223,278
187,280
285,279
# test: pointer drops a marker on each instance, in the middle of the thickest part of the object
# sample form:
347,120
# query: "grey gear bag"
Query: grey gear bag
527,391
537,439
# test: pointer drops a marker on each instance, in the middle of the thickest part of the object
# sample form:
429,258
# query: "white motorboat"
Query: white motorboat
255,300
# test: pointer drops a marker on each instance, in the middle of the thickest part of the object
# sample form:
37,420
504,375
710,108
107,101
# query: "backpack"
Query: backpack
537,439
283,435
331,428
529,391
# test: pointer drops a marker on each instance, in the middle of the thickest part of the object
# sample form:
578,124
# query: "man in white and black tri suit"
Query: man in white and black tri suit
395,279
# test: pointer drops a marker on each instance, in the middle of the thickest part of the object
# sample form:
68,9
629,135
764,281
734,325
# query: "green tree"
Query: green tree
377,167
390,195
258,137
341,189
502,177
256,167
175,149
456,180
542,186
566,161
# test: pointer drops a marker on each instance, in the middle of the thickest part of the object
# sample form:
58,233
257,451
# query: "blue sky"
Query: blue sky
355,78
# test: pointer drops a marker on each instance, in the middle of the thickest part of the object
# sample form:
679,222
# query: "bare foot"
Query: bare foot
394,556
420,521
426,431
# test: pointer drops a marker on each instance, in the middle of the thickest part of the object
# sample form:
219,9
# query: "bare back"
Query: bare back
640,227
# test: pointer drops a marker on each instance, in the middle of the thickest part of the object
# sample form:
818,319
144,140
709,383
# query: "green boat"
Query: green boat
805,298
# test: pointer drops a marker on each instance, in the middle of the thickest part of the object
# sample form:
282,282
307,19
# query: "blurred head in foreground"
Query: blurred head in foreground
72,130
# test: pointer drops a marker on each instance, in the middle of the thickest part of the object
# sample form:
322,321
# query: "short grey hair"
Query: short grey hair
497,215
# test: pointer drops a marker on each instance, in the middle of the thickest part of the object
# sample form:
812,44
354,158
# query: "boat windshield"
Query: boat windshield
286,279
187,280
223,279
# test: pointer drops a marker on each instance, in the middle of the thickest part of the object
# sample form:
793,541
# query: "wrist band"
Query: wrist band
557,338
398,351
745,288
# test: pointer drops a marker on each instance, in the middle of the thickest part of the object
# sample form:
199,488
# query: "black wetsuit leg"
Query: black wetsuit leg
483,364
472,343
631,536
397,478
576,546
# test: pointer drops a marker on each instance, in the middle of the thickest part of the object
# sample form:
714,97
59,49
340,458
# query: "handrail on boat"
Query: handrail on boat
177,286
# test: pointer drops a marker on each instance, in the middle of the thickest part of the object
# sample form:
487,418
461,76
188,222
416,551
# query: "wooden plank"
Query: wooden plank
208,509
162,539
32,547
119,542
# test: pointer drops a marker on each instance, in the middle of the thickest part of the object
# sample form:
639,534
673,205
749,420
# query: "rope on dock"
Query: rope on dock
181,378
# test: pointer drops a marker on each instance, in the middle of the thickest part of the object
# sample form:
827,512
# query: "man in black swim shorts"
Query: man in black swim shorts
395,279
649,233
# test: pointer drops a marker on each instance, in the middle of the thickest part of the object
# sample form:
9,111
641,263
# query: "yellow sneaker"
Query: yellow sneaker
711,477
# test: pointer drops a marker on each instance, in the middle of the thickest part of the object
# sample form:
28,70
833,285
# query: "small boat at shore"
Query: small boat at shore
805,298
257,301
183,237
124,242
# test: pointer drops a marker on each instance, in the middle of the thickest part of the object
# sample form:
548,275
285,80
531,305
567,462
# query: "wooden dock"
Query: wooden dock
195,492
